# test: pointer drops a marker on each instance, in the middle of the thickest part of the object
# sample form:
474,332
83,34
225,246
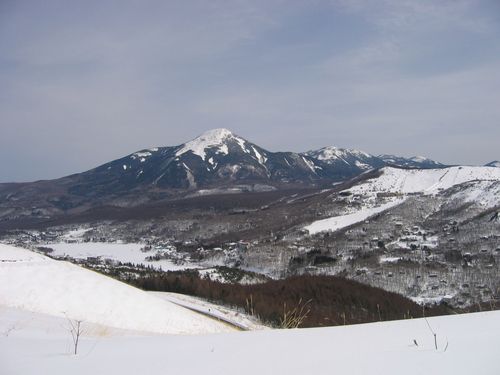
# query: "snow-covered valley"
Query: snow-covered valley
438,227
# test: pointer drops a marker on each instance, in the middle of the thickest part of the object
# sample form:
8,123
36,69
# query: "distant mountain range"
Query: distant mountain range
219,158
217,161
419,162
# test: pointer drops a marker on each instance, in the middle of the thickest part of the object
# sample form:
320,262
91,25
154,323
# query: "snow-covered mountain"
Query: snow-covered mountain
217,161
219,157
214,159
346,159
494,163
412,162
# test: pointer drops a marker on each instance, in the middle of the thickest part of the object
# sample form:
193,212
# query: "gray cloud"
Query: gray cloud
87,82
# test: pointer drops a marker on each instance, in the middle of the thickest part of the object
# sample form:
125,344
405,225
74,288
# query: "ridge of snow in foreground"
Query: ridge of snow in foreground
33,344
34,282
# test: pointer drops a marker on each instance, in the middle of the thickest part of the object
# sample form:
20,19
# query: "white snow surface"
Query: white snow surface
389,259
142,155
36,283
331,154
362,165
485,193
339,222
210,139
429,181
232,316
420,158
122,252
467,344
309,163
484,189
76,234
262,159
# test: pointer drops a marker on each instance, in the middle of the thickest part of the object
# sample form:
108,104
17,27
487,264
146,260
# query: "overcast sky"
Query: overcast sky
85,82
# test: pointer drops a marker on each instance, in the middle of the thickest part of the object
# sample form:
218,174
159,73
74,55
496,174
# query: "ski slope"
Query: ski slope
484,193
480,185
33,282
339,222
427,181
33,344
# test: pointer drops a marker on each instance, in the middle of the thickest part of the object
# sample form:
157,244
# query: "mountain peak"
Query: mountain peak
215,138
420,158
330,152
219,133
346,158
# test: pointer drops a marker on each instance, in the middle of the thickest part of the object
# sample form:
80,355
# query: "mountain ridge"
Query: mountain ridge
217,160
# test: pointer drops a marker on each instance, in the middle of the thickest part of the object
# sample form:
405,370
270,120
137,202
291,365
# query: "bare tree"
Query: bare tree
75,328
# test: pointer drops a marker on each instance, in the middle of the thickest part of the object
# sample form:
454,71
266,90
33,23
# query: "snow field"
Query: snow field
122,252
428,181
36,283
339,222
467,344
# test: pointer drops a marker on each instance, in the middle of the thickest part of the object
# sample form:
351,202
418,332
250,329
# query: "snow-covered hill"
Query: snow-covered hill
33,282
483,193
419,162
428,181
495,163
476,185
466,344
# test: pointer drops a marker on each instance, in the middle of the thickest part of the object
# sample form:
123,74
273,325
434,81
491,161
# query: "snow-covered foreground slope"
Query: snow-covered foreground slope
427,181
467,344
225,314
36,283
